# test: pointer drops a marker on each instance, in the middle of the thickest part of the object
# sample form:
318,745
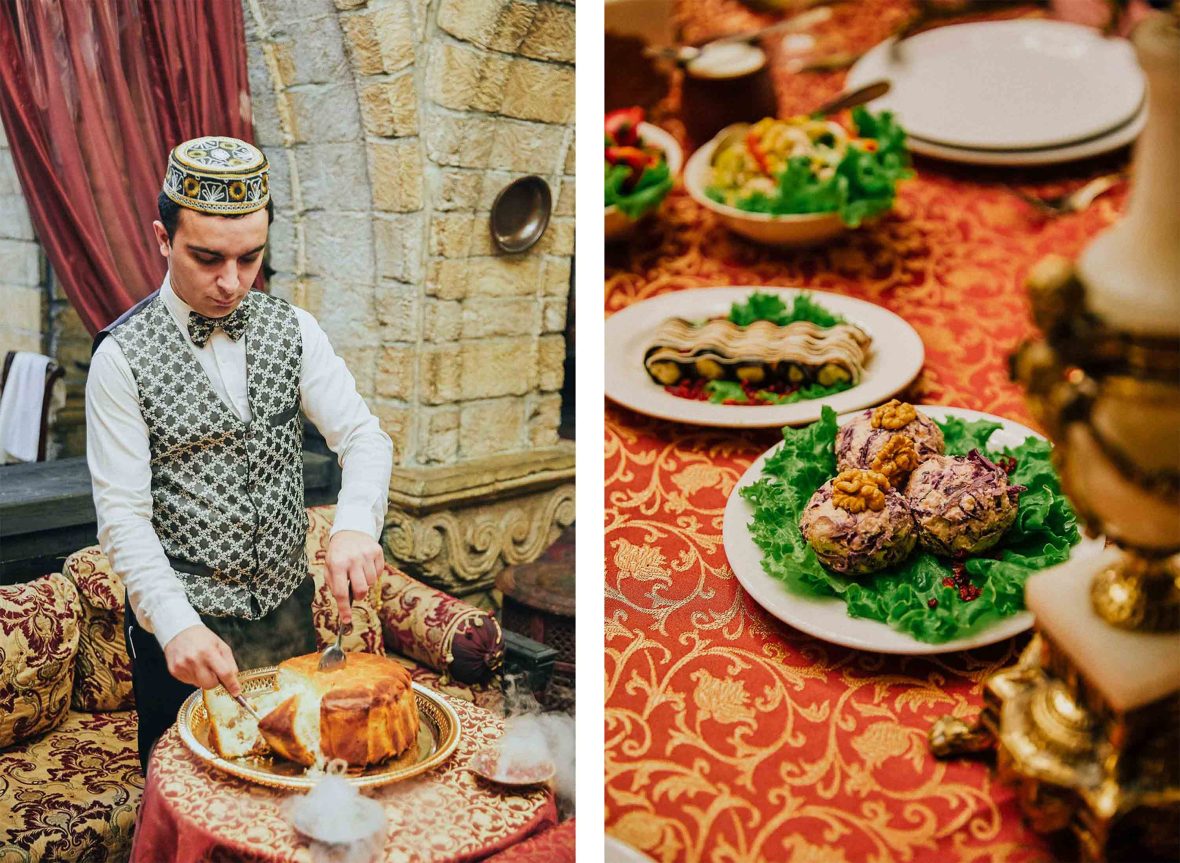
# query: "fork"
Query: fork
334,657
1073,202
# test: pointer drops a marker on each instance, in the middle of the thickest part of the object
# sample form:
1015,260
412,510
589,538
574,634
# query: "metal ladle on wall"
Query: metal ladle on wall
520,214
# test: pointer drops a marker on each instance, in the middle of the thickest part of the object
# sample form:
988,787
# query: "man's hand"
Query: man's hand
198,657
353,557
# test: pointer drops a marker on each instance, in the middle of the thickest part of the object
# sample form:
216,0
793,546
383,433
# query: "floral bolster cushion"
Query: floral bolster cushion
102,675
38,644
439,630
365,631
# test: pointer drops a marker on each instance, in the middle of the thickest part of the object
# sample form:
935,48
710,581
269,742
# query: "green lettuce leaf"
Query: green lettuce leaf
723,391
653,186
1042,535
770,307
863,185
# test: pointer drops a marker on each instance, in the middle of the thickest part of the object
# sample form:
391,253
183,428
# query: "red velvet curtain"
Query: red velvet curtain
93,95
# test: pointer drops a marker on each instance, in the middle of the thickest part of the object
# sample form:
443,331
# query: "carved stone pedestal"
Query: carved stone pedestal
456,526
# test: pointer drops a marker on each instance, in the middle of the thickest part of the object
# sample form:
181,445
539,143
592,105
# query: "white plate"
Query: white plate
897,356
619,225
618,851
828,619
1007,85
1120,137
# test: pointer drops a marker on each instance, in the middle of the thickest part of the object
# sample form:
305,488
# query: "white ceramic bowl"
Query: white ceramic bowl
805,229
619,225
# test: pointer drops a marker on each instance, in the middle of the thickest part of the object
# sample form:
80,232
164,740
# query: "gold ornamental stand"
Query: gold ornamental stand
1086,725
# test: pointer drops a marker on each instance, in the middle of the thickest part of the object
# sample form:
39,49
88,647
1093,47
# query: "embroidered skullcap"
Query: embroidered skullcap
218,175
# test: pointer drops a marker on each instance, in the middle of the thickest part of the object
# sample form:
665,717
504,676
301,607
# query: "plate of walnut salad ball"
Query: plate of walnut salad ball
901,529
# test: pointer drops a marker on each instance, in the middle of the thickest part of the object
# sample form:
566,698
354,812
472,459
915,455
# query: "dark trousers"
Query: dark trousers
285,632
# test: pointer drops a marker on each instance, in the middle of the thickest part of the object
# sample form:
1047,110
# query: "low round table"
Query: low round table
193,813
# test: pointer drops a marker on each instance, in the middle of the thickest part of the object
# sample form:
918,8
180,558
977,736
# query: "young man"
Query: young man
194,440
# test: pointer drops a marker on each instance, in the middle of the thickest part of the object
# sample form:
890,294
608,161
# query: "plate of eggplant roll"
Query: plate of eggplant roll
756,357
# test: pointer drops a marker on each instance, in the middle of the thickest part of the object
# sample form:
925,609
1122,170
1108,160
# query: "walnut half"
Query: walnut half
896,460
893,415
856,490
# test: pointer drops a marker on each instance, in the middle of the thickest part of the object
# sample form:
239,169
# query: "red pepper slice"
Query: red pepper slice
622,126
754,145
633,158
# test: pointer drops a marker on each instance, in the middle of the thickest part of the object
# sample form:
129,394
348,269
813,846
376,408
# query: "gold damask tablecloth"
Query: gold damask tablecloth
192,812
730,736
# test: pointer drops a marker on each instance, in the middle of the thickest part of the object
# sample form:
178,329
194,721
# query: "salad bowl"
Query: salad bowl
618,224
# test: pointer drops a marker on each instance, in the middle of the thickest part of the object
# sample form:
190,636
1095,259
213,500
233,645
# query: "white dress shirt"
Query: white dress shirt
120,458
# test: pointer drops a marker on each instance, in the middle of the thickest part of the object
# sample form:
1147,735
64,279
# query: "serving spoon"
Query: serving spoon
847,99
334,657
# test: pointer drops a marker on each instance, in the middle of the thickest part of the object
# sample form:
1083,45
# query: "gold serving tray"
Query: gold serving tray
438,735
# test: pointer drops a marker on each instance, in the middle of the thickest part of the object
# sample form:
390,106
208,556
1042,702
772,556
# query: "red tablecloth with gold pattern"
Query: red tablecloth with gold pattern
730,736
192,812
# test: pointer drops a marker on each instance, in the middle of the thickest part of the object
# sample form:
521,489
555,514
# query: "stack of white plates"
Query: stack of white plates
1020,92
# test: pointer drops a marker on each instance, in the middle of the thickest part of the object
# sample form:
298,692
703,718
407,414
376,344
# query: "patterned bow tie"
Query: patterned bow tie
200,328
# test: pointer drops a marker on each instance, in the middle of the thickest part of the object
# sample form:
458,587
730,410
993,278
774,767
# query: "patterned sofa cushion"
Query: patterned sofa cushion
38,643
71,795
433,627
102,673
365,632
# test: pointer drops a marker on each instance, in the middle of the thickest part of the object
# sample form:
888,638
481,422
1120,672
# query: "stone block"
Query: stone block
537,91
16,339
500,317
349,5
460,140
489,23
288,287
280,63
282,244
558,238
346,312
397,421
509,276
530,147
279,176
396,175
380,38
544,416
569,168
495,182
456,189
397,310
550,362
9,181
566,197
20,263
440,373
496,367
397,368
317,50
462,77
14,219
361,362
556,279
324,113
440,435
451,234
551,34
442,320
487,427
399,240
340,246
23,307
281,15
553,314
390,108
333,177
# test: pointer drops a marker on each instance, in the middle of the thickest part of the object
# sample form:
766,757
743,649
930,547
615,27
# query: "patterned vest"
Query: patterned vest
227,496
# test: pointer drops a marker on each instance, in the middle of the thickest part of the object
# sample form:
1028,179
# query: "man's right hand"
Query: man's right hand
199,658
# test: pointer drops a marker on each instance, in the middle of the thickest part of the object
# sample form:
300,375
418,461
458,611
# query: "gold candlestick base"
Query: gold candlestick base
1109,778
1140,594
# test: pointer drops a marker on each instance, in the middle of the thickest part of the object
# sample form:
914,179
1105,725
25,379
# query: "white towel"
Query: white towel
20,407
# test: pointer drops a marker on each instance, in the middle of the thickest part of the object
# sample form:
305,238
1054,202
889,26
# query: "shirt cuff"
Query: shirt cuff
173,618
351,516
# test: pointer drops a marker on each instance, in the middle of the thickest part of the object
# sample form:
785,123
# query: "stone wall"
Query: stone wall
21,293
391,125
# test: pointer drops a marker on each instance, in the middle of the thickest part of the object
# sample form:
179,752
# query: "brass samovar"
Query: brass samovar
1086,726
